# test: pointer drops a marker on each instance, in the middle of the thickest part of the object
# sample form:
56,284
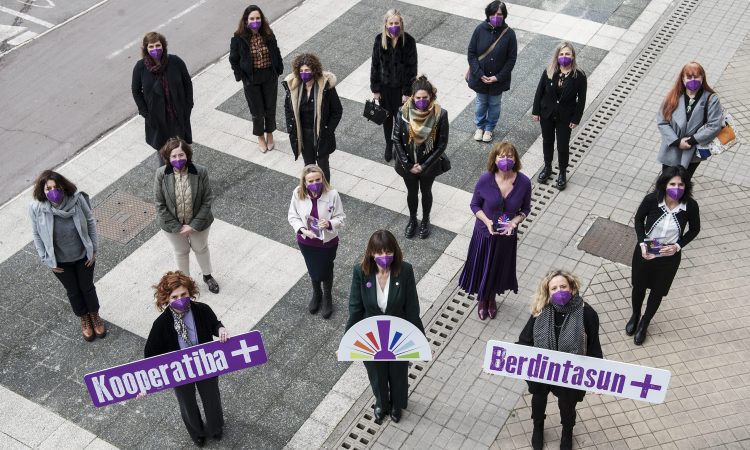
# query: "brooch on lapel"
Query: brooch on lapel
368,284
397,283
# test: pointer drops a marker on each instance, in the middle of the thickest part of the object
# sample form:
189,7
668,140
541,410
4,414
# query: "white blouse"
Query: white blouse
383,293
667,230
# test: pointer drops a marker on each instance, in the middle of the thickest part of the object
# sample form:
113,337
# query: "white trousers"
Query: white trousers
198,241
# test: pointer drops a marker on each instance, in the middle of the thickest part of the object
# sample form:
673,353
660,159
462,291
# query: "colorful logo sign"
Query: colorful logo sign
577,372
176,368
384,338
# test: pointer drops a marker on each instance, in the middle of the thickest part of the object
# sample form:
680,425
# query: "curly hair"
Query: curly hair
503,148
309,60
169,282
41,181
541,296
173,143
150,38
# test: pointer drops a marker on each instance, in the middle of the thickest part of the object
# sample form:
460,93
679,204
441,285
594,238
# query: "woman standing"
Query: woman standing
313,111
393,70
560,320
420,137
501,201
184,323
183,207
256,61
64,231
316,215
660,227
492,55
163,92
690,116
558,104
384,284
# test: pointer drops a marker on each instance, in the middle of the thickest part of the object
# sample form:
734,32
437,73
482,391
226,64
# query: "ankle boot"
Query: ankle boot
640,332
99,329
545,173
411,228
562,180
492,308
388,154
317,296
327,298
566,440
424,228
482,309
537,436
86,330
632,324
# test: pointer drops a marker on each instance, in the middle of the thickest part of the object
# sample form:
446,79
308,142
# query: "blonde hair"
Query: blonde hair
554,66
384,35
541,296
307,170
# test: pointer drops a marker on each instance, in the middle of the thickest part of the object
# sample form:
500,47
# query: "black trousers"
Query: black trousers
550,128
690,168
415,184
191,415
390,100
78,281
390,383
261,99
310,153
567,406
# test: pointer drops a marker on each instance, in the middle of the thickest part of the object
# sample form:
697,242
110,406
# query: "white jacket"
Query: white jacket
329,208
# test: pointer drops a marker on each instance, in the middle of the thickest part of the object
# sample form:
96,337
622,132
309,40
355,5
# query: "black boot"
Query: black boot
632,324
317,296
566,440
411,228
327,298
388,155
640,332
424,228
545,173
561,180
537,436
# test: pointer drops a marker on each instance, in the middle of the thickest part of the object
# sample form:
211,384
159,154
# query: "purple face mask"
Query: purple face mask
675,193
496,21
306,76
561,298
315,188
394,30
564,60
55,195
181,304
384,262
505,164
422,104
156,53
693,85
255,26
178,164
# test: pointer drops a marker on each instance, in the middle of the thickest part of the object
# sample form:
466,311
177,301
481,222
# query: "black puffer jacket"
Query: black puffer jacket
394,66
241,59
406,151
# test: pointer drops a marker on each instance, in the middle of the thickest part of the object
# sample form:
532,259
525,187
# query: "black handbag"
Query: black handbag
445,163
374,112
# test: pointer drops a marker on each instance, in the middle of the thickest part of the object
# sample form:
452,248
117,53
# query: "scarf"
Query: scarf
422,124
572,333
158,69
67,208
180,327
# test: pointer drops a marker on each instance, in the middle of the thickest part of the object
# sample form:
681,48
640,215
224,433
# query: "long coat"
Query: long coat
166,207
394,66
499,62
569,106
149,96
679,127
241,58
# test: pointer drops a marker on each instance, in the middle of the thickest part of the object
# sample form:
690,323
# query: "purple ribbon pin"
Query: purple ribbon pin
369,285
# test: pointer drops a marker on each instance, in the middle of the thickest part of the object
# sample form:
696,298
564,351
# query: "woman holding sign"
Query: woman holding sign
383,283
560,320
316,215
660,227
183,323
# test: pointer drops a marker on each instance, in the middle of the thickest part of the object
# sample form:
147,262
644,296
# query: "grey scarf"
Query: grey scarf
572,332
181,328
67,208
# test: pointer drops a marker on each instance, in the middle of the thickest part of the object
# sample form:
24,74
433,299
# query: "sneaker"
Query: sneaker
478,134
487,136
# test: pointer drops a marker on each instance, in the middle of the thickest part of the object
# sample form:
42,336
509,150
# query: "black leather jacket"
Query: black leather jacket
405,151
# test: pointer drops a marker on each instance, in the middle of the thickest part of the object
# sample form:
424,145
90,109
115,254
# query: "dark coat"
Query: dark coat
395,67
568,108
164,195
328,111
430,162
649,213
241,59
499,62
163,338
149,96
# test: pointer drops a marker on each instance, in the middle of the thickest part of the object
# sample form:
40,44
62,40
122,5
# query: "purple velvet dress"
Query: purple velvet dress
491,262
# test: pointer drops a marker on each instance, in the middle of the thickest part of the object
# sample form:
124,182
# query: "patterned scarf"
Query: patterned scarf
180,327
421,123
572,333
158,69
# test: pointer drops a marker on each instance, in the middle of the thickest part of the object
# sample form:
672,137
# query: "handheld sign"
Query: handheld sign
176,368
577,372
384,338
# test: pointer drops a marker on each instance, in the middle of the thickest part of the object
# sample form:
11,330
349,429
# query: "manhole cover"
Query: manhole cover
611,240
122,216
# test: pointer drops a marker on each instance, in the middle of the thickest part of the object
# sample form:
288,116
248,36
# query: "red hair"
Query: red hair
678,89
168,283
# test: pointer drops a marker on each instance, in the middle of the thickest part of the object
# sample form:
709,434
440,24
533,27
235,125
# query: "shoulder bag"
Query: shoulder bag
485,53
725,139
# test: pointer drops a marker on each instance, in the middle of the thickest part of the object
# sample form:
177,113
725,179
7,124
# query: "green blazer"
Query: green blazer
166,209
403,300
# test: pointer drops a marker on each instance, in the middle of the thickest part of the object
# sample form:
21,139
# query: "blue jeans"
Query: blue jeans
487,111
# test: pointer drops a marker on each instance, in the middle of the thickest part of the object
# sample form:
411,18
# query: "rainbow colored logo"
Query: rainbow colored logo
384,338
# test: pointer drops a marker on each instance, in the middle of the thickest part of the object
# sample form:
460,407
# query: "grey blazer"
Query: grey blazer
679,127
164,195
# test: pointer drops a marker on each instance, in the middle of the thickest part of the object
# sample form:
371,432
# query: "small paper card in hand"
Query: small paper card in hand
654,245
312,225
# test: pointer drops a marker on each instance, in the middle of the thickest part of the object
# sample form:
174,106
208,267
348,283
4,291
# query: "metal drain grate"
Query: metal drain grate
122,216
611,240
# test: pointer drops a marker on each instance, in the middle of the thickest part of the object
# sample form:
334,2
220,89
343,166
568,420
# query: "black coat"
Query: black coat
163,338
241,59
499,62
395,67
327,115
430,162
568,108
649,213
149,96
